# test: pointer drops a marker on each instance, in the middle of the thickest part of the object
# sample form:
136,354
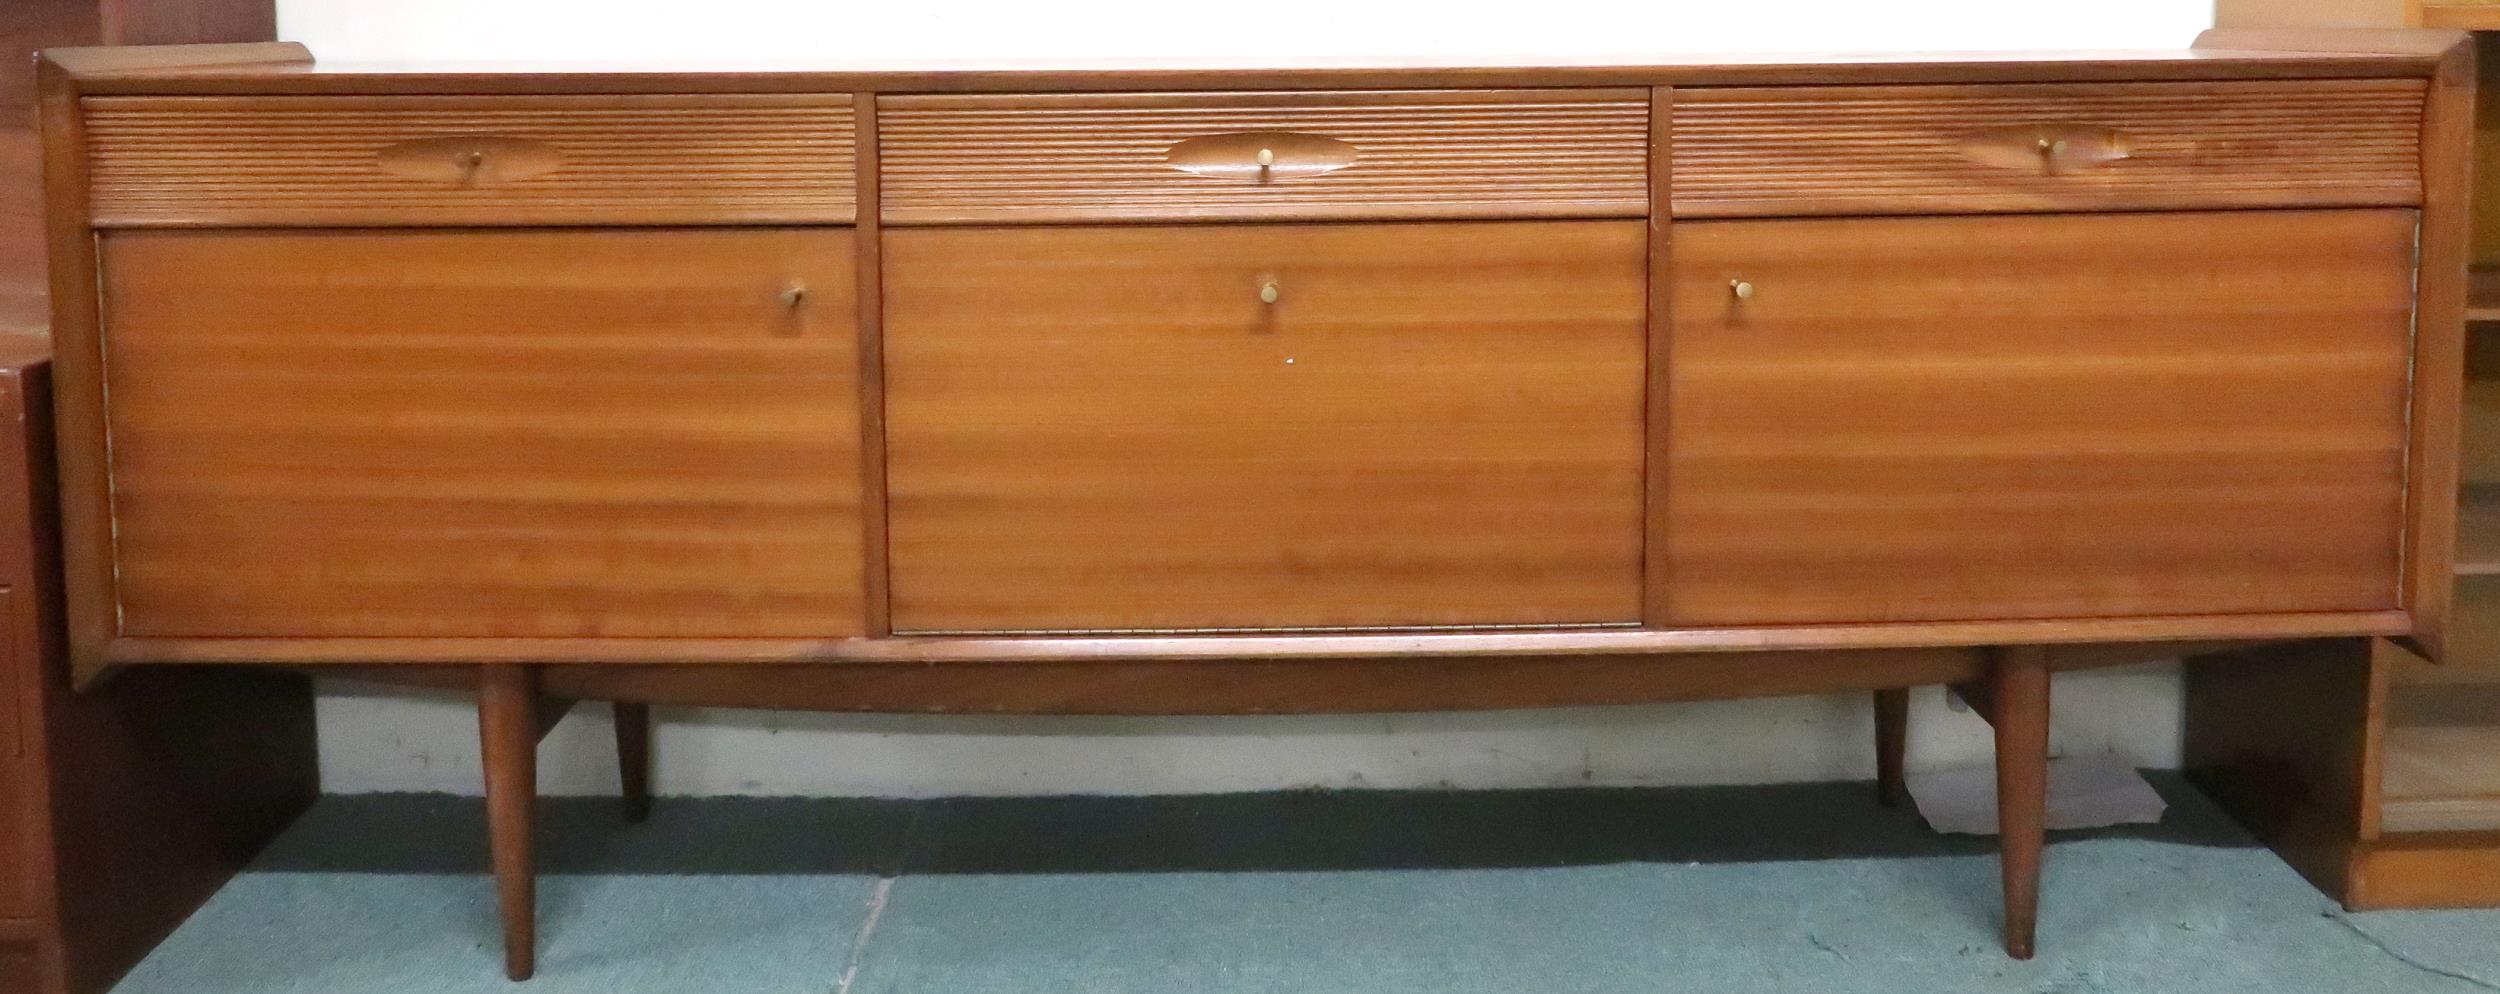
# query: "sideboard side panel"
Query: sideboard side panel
2439,348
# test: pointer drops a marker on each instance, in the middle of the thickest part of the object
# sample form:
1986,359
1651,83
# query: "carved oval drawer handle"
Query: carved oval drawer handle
470,160
1260,156
2046,149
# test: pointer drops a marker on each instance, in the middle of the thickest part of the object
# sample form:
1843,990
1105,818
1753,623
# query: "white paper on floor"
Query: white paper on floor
2084,792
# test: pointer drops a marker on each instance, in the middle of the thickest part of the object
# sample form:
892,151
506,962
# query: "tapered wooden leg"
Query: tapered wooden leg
1892,739
2019,693
508,726
633,758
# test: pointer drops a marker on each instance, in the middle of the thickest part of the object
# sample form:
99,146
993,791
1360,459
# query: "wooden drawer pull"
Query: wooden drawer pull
2048,149
1260,156
470,160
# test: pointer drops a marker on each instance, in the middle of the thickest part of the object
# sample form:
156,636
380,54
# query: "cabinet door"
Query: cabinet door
1430,425
609,433
2036,417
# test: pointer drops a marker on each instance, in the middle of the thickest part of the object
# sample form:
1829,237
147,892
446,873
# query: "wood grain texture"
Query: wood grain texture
1246,685
2431,870
1906,150
1966,418
1658,342
2441,778
484,434
1049,158
869,255
194,161
1259,686
21,837
2018,695
189,23
2279,737
508,734
78,371
2478,531
2079,643
136,799
1434,425
23,303
2443,251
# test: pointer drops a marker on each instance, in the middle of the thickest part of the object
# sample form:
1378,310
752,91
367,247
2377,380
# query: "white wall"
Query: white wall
376,739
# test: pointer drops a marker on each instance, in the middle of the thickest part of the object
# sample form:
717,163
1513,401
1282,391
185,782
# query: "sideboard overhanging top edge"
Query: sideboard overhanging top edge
285,69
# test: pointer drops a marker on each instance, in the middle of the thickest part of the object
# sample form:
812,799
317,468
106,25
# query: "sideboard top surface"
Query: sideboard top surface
288,68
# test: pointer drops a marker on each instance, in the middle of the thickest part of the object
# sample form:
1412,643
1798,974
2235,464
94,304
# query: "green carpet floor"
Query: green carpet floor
1806,888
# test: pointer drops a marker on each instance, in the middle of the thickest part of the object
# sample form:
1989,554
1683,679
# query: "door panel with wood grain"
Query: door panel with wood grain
2035,417
1430,425
484,434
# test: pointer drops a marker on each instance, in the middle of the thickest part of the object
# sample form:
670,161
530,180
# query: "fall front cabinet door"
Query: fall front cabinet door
1265,427
601,432
2035,417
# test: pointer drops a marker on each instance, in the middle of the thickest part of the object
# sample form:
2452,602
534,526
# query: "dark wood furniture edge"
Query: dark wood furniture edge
2018,691
1266,686
100,60
509,727
2294,770
78,408
2445,251
1655,605
152,790
866,251
2076,636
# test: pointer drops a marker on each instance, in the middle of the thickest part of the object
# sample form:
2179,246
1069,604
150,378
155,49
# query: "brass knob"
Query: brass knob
1267,162
1740,289
1269,291
793,295
470,163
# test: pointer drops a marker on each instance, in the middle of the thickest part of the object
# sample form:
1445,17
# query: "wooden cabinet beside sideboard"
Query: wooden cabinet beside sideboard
1150,390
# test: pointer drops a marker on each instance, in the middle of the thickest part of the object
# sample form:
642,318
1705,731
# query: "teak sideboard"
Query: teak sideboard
1335,387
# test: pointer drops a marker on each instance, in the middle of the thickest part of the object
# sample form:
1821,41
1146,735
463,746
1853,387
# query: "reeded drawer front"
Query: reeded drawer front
1967,149
727,159
1265,426
1050,158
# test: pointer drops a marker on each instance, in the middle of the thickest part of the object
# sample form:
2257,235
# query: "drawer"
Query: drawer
1008,158
627,159
1970,149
